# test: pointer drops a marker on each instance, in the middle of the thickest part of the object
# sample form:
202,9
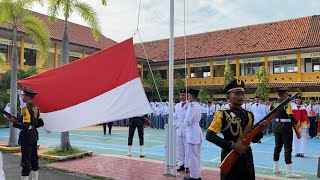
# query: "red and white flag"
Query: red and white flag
102,87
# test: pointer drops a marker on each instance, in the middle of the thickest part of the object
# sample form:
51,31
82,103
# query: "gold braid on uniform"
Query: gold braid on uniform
248,126
232,120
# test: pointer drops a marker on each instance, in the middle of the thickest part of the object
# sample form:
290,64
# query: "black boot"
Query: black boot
181,168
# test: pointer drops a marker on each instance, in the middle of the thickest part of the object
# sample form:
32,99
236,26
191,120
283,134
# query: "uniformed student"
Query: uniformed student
283,133
28,123
180,110
193,134
234,124
136,122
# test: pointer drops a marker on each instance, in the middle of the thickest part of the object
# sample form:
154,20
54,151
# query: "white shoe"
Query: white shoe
34,175
141,152
276,169
290,173
129,150
24,177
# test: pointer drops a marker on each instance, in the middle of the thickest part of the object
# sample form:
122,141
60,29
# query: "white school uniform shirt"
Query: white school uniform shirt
313,108
246,106
214,108
259,111
192,119
178,118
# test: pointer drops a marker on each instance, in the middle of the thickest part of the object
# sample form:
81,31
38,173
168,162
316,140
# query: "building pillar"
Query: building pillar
21,51
189,74
299,65
56,55
266,65
83,53
141,71
167,79
211,72
237,67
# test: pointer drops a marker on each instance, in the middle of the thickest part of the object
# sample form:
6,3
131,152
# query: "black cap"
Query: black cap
282,89
193,92
257,97
236,85
29,92
298,97
182,90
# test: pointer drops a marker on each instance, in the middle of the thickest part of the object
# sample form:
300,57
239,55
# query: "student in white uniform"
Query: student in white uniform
193,134
258,109
299,145
246,105
180,110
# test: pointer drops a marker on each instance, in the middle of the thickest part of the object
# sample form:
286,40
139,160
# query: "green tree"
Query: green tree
14,14
203,94
263,87
88,14
158,81
178,86
228,73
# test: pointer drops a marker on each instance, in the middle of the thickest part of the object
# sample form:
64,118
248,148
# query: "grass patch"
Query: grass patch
55,151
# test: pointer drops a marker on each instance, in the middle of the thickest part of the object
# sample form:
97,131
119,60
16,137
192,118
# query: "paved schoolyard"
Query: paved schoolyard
116,144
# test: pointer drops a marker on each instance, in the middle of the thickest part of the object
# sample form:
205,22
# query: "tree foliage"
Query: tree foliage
158,81
180,84
228,73
203,94
263,87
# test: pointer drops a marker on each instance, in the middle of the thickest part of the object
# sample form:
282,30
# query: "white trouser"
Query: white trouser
182,151
194,160
2,177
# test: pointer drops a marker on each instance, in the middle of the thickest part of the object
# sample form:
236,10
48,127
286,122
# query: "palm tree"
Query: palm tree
90,17
14,14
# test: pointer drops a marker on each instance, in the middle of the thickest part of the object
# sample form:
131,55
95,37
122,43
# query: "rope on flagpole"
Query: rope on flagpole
185,46
144,51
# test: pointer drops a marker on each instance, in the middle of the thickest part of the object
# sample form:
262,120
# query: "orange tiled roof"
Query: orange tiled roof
78,34
282,35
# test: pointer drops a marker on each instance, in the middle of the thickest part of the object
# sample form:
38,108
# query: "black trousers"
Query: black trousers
132,128
242,169
313,127
105,127
29,158
283,137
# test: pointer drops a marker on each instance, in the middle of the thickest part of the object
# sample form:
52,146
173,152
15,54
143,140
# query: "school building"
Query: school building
289,50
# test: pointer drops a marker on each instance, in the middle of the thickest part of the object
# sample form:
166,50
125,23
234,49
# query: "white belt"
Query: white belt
283,120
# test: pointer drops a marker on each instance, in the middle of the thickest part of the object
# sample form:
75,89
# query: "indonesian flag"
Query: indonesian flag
99,88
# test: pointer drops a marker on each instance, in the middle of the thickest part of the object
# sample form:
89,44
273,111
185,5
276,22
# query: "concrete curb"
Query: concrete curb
66,158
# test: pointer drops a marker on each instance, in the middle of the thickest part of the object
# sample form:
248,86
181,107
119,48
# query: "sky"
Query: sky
118,20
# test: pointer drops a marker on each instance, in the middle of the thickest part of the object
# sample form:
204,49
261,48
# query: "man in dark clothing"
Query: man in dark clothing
234,124
110,124
28,137
283,133
136,122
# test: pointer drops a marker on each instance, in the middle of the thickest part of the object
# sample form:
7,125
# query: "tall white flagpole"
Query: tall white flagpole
171,141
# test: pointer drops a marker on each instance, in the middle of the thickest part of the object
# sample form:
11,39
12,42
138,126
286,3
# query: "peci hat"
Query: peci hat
236,85
193,92
282,89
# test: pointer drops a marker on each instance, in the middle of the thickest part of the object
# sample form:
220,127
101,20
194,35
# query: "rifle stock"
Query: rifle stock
232,157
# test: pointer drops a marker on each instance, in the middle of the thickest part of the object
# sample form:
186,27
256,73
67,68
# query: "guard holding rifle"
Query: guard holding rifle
283,133
28,137
234,124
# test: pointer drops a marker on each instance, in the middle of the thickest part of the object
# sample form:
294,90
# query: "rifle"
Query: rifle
8,115
232,157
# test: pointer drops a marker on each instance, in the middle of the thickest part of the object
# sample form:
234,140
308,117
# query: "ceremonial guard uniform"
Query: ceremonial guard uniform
28,123
180,110
193,135
283,133
234,124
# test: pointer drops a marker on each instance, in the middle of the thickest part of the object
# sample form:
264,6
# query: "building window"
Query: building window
180,71
200,72
163,74
4,51
312,65
252,68
71,58
285,66
30,57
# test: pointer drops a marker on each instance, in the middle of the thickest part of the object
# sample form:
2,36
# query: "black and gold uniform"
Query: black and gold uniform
234,124
28,137
283,131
